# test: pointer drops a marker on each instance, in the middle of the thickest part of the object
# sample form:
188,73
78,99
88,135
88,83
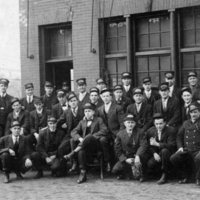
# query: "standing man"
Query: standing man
5,104
127,88
187,158
150,95
95,97
28,101
100,84
162,142
65,86
49,98
83,95
14,153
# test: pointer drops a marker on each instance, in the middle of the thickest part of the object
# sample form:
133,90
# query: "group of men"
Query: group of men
137,131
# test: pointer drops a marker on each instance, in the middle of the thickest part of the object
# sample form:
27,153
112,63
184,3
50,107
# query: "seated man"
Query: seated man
14,153
47,146
161,140
188,142
20,115
91,134
130,148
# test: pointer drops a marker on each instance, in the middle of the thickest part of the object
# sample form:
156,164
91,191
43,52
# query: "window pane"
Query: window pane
143,41
154,40
185,77
61,50
112,30
197,60
165,22
153,63
189,38
154,25
121,63
165,39
140,77
162,78
197,15
143,26
188,21
111,66
198,37
68,35
53,35
112,45
54,51
68,49
142,64
60,36
155,78
188,61
122,29
122,44
113,79
165,63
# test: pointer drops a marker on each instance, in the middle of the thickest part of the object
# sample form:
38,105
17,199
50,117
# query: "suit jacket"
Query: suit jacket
173,113
98,129
44,142
128,94
144,117
125,102
114,119
168,139
126,147
28,106
67,117
36,123
23,119
49,102
57,111
154,97
6,143
176,93
85,100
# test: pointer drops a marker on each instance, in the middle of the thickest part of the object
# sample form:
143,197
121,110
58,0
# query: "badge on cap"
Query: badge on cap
81,81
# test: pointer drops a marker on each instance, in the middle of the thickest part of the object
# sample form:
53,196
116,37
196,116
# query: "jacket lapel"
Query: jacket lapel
10,141
111,108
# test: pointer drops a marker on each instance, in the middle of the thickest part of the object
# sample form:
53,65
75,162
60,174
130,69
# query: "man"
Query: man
168,106
65,86
14,153
20,115
47,146
127,88
130,148
174,91
49,98
5,104
83,95
95,98
187,158
91,134
141,111
60,107
28,101
100,84
150,95
119,99
162,142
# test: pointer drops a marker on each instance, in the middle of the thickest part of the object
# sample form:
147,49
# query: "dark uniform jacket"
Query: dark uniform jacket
144,117
185,115
98,129
36,123
28,106
48,146
176,93
167,140
113,119
124,102
85,100
189,136
23,119
173,112
128,94
126,147
57,111
196,93
154,97
49,102
6,143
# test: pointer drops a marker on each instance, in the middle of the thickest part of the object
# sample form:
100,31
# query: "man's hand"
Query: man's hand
48,160
36,136
180,150
130,161
64,125
156,157
12,153
153,142
137,161
52,158
28,163
81,139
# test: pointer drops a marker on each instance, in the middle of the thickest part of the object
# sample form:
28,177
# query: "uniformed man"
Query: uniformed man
130,148
140,110
83,95
20,115
15,153
5,104
162,142
150,95
127,87
49,98
47,147
65,86
28,101
100,84
187,158
95,97
119,99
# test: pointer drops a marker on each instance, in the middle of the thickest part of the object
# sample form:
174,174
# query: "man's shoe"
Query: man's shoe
74,167
70,155
19,176
163,179
184,180
6,177
198,182
39,175
82,178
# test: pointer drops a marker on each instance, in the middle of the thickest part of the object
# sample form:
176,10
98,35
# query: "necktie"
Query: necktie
74,111
16,146
138,107
29,99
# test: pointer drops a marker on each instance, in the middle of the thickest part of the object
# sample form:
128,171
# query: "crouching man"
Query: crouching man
47,146
130,148
14,153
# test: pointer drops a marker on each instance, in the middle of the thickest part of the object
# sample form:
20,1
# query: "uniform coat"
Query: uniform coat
49,102
128,94
124,102
28,106
85,100
154,97
57,111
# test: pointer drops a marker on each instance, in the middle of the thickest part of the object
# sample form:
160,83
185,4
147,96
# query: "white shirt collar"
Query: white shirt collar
39,112
82,95
3,94
14,138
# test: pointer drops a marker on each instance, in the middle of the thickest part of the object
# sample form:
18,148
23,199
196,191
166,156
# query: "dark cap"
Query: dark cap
89,106
38,100
126,75
81,81
28,85
94,89
100,81
13,100
194,106
158,116
137,91
169,74
146,80
105,90
4,81
71,96
194,74
186,89
129,117
64,83
15,123
52,119
118,87
48,84
164,86
61,93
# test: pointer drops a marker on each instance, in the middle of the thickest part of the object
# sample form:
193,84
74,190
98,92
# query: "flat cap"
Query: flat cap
38,100
105,90
89,106
118,87
100,81
129,117
194,74
81,81
186,89
48,84
137,91
169,74
164,86
146,80
158,116
4,81
15,123
194,106
52,119
61,93
94,89
28,85
126,75
13,100
71,96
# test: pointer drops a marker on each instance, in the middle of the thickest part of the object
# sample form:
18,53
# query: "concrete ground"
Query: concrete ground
108,189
